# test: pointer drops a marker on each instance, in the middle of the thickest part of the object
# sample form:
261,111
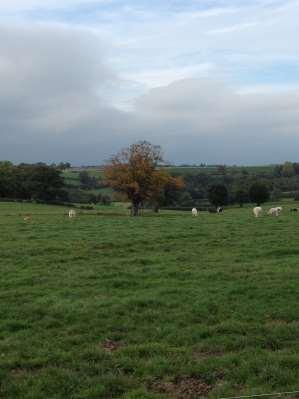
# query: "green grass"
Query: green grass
72,177
213,170
108,306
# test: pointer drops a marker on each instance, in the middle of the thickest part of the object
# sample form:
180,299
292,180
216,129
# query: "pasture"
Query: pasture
161,306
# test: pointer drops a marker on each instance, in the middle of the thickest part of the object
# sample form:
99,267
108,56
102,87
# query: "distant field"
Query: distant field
72,177
161,306
268,169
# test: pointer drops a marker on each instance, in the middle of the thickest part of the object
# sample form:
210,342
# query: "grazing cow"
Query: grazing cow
257,211
294,209
72,213
275,211
194,212
219,209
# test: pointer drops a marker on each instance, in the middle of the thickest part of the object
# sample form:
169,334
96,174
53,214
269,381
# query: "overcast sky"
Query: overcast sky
213,81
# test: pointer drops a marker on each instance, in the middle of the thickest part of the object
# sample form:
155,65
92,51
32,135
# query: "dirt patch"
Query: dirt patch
111,346
105,246
18,372
198,354
183,388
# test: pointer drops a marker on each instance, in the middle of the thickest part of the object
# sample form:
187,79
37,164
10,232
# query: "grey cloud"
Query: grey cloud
209,121
53,81
54,106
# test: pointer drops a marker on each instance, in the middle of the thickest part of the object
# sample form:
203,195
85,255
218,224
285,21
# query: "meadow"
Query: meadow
72,176
160,306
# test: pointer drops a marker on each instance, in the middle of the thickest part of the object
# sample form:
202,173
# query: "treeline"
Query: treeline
46,183
32,182
86,189
236,185
279,181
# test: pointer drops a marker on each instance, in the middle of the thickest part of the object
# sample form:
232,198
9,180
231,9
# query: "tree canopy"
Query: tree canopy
37,182
135,172
218,195
259,193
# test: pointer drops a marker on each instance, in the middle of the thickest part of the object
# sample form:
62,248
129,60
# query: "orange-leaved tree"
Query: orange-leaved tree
135,172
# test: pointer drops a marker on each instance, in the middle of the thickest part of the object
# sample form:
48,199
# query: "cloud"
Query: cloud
50,75
53,92
54,105
68,92
29,5
214,122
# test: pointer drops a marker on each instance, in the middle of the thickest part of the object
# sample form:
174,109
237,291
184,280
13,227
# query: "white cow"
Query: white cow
257,211
275,211
72,213
194,212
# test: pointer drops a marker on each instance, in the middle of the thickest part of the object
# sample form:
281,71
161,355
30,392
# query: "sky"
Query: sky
213,81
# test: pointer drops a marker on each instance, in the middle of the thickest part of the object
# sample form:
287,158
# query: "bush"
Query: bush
259,193
87,207
82,197
106,200
218,195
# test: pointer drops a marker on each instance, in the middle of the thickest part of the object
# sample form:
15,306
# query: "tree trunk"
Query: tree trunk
135,209
136,202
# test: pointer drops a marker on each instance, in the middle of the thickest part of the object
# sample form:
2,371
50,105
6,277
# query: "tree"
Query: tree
296,168
8,182
63,165
40,182
276,194
106,199
259,193
241,196
218,195
288,169
134,172
87,181
222,170
163,184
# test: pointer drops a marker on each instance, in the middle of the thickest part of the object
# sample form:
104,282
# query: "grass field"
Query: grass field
167,306
72,177
213,170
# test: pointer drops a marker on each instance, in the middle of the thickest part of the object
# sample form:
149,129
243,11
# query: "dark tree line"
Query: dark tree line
31,182
88,182
232,185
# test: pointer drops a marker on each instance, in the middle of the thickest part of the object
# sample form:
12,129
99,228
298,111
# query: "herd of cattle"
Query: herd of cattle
257,211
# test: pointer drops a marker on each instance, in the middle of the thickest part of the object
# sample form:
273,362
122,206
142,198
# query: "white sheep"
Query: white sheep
72,213
194,212
275,211
257,211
